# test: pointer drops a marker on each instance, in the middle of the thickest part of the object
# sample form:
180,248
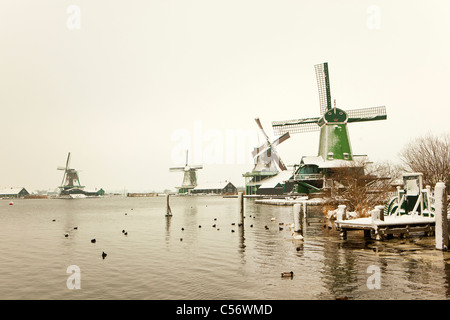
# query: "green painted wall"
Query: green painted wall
334,135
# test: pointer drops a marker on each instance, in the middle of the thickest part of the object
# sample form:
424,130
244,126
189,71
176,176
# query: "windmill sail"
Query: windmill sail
279,140
296,126
267,144
65,168
367,114
323,84
258,122
267,154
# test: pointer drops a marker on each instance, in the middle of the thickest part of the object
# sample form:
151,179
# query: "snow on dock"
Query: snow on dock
388,226
291,201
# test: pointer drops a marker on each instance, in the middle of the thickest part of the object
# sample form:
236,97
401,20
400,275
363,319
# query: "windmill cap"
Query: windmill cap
335,115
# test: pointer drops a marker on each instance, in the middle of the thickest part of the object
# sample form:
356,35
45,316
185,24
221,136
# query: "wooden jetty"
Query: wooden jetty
413,210
391,225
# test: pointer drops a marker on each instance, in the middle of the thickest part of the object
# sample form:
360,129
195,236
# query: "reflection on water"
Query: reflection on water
201,252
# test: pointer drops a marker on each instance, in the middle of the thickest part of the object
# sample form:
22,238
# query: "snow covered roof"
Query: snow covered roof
311,160
336,163
212,185
273,181
10,191
358,161
92,189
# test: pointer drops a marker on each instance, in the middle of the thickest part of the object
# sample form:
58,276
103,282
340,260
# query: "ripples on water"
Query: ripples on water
157,260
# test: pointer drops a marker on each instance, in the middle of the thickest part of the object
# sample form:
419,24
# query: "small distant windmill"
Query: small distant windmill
70,182
190,175
334,141
267,161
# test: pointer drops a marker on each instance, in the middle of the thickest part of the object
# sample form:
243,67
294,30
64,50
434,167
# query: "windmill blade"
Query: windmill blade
278,161
64,178
176,169
199,166
68,161
367,114
78,178
281,139
267,145
65,169
296,126
260,149
323,84
258,122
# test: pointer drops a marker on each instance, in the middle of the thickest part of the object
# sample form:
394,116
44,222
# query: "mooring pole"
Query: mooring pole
341,216
381,212
241,207
341,212
168,210
297,218
440,214
377,213
305,211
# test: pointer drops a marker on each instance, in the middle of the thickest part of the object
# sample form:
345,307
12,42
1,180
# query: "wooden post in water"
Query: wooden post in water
342,215
241,221
241,207
305,211
168,210
302,220
381,212
377,214
297,218
440,214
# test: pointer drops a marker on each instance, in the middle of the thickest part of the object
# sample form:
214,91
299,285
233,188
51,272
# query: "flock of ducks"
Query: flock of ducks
93,240
295,235
286,274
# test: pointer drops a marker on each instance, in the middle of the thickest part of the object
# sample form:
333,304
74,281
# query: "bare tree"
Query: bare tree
364,185
429,155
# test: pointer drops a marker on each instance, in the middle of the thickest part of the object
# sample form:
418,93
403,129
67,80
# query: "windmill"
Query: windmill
70,182
190,175
267,161
266,155
334,142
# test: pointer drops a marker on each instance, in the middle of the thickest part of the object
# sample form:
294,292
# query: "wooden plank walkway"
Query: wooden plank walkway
392,225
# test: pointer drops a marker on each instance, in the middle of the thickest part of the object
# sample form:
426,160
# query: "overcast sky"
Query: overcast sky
124,85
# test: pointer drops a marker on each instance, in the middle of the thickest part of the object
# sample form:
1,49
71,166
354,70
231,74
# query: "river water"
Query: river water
159,260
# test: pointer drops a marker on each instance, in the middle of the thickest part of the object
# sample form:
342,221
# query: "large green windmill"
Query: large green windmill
334,142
